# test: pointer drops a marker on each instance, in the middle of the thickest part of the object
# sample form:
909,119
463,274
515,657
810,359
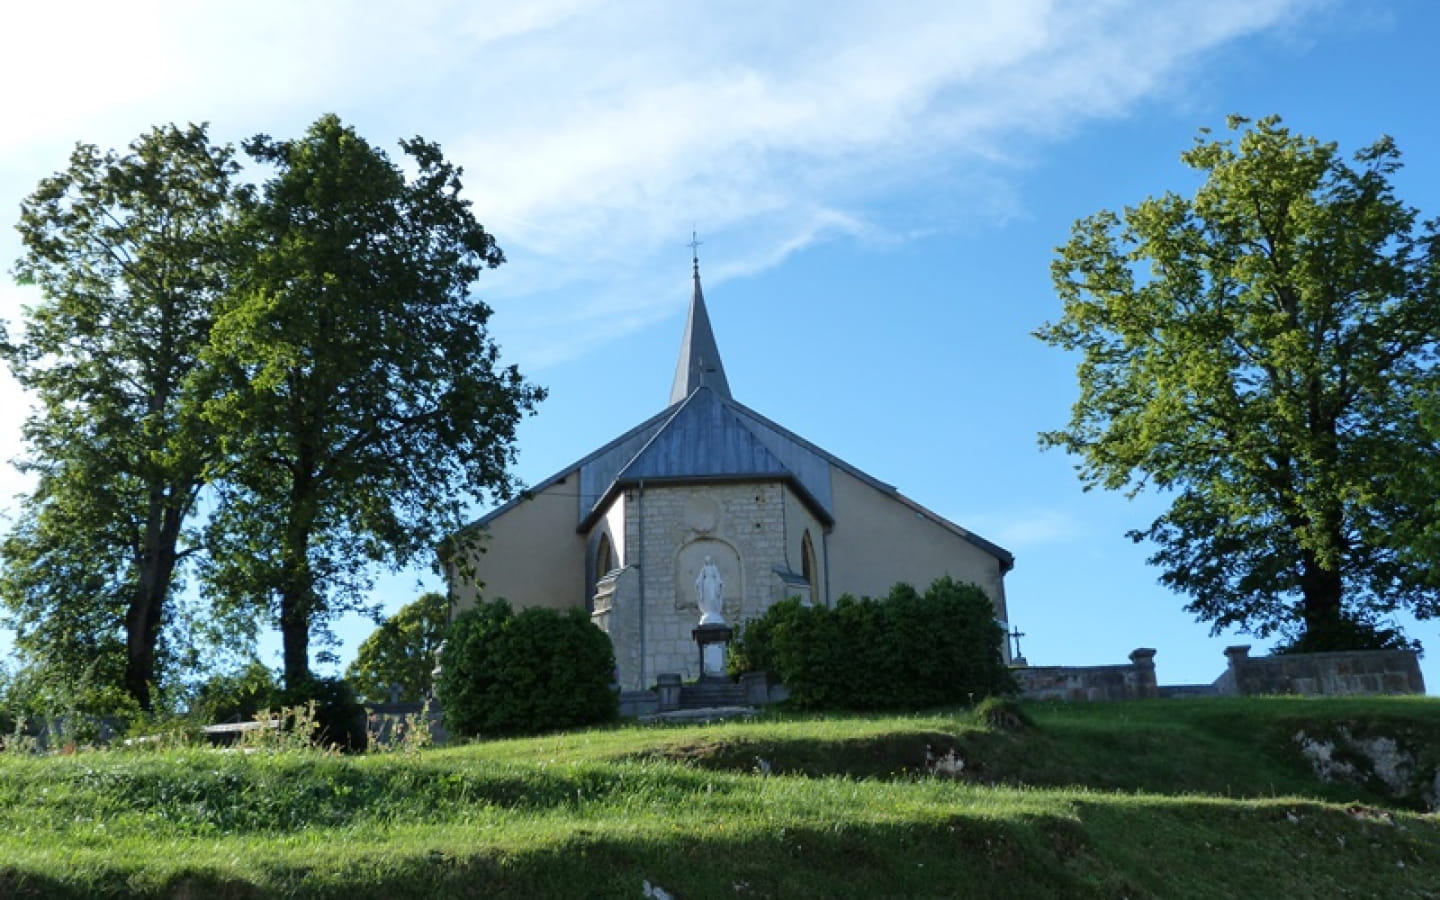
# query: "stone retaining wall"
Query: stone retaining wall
1350,673
1135,681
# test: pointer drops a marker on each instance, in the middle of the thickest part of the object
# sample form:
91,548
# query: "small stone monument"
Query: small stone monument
713,634
434,693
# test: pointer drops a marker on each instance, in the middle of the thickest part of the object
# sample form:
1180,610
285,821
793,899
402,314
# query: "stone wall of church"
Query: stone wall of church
670,531
617,613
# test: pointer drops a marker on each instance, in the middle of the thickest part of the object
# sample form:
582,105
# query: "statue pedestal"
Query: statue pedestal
712,640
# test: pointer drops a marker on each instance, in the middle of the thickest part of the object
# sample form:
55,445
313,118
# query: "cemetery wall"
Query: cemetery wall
1135,681
1350,673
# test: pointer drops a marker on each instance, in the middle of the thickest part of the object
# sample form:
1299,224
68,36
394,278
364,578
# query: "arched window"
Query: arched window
808,568
604,557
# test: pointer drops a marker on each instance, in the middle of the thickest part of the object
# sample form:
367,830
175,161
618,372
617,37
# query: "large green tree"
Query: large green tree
1257,352
129,251
365,408
401,652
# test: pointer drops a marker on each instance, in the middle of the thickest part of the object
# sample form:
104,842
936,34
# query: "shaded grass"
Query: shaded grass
914,843
1189,799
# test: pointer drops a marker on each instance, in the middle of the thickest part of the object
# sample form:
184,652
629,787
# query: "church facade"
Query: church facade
709,503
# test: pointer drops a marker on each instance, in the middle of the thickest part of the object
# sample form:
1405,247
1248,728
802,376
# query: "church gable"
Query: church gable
708,437
710,485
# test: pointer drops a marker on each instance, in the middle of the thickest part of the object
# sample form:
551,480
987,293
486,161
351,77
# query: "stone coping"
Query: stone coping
706,714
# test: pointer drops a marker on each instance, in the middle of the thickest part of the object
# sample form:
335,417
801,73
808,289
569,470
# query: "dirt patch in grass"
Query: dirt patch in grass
889,755
209,887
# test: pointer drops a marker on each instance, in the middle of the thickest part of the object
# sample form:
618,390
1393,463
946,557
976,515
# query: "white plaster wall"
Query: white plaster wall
879,540
611,523
532,554
615,524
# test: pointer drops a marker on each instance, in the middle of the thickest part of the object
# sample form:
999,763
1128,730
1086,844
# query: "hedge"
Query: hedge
905,651
508,673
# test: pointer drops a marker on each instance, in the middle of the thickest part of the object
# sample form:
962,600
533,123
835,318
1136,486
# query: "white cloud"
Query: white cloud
591,128
767,129
595,134
1027,529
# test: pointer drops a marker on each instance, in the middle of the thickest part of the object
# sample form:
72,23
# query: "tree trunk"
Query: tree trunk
297,590
295,634
141,627
1322,590
146,613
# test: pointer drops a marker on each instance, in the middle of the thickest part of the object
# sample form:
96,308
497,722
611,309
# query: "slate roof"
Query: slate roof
705,437
702,439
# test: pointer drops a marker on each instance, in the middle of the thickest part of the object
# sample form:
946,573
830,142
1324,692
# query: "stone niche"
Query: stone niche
691,559
741,526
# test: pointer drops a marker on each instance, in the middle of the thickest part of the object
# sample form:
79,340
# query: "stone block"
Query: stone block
757,688
667,687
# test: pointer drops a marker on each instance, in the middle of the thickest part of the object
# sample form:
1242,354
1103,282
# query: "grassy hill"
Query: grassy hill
1197,798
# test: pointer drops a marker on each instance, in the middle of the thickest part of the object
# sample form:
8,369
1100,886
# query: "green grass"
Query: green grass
1200,798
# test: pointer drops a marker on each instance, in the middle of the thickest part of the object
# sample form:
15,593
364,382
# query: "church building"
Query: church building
706,503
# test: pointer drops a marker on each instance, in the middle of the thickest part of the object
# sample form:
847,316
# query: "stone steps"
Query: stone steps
708,694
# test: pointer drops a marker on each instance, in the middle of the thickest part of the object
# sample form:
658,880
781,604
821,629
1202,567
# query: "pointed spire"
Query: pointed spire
699,362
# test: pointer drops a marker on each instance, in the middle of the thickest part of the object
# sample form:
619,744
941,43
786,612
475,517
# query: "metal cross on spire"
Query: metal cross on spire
694,246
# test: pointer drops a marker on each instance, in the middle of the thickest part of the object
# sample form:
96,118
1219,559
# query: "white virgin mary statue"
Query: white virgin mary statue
709,593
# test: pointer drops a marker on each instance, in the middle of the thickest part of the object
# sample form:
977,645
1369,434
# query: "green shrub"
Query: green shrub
504,673
339,719
906,651
235,696
752,649
401,652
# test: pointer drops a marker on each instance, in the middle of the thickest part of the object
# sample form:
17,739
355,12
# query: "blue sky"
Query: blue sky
879,194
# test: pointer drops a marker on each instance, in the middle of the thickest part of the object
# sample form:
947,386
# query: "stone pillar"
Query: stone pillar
1143,659
1237,657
